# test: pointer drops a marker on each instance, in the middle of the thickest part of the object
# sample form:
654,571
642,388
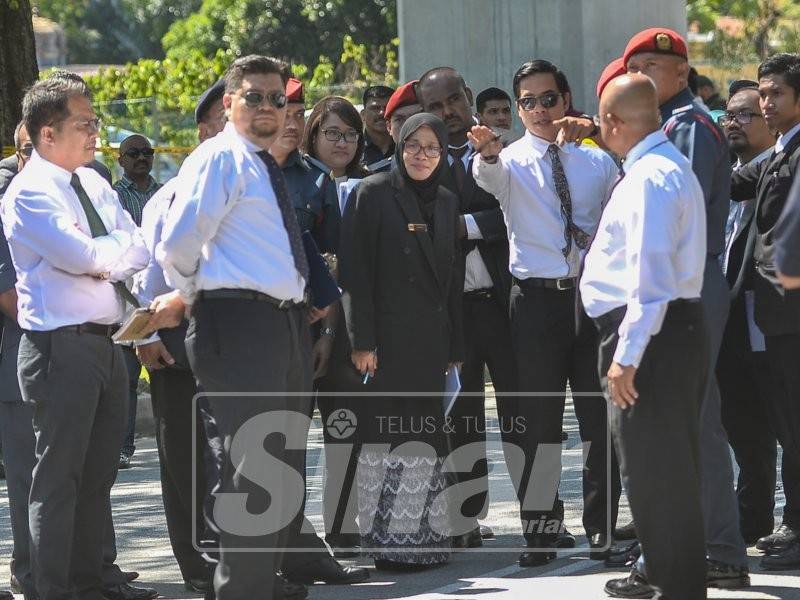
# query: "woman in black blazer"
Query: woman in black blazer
403,276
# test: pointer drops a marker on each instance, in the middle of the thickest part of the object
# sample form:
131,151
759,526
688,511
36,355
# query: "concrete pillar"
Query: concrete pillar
487,40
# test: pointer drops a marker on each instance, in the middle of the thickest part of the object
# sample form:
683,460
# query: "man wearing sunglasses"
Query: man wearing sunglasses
13,164
552,197
742,368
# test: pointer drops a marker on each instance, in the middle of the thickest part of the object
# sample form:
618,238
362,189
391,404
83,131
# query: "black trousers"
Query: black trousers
744,383
183,482
550,354
657,442
487,337
253,361
782,353
76,384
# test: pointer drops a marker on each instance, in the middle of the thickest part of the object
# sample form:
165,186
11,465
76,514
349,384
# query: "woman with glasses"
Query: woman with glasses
333,137
403,276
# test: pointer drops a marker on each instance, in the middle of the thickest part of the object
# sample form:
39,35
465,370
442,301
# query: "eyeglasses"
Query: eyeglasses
548,100
743,118
137,152
334,135
413,148
91,125
255,99
26,151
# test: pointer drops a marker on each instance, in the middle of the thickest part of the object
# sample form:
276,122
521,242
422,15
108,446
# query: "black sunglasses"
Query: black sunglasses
26,151
548,100
255,99
137,152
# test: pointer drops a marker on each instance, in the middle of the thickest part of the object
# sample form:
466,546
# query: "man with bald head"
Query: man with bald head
135,189
641,285
661,54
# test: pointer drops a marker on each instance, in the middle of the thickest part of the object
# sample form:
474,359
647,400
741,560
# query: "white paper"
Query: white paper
452,385
344,188
757,343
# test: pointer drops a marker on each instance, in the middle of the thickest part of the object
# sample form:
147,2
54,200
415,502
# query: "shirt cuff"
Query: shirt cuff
629,353
473,231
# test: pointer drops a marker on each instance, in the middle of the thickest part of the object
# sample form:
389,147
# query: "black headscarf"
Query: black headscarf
426,189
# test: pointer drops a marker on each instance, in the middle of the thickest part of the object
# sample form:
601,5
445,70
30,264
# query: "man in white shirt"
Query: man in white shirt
231,247
641,284
72,246
552,197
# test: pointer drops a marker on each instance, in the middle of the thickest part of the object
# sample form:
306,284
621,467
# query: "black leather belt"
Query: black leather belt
91,328
230,294
482,294
561,284
614,317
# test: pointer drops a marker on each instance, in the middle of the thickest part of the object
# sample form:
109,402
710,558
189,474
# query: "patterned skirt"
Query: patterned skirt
402,513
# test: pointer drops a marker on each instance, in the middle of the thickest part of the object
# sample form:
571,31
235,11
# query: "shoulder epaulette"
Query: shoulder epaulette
682,109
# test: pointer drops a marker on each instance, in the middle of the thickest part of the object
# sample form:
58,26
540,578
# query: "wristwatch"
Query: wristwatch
327,331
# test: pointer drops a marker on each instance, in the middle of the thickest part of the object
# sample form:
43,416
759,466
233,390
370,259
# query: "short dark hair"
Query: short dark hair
46,103
253,64
344,109
488,94
741,84
376,91
691,80
703,81
535,67
17,130
785,64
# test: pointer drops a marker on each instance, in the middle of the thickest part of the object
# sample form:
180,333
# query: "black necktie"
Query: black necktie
98,229
287,213
459,172
571,231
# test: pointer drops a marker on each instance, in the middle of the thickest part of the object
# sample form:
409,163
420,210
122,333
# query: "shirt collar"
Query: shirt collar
293,159
58,173
643,147
785,138
679,100
755,160
540,145
126,182
238,139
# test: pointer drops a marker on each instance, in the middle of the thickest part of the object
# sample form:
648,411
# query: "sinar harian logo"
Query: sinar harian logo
341,423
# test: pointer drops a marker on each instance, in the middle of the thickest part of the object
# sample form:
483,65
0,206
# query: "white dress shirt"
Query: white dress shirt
522,181
476,275
784,139
650,246
225,229
57,260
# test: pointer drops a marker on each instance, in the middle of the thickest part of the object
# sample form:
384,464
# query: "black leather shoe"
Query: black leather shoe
536,559
626,532
785,560
289,590
327,570
725,576
783,537
130,575
125,591
633,586
6,595
198,584
564,540
623,557
486,532
344,545
600,546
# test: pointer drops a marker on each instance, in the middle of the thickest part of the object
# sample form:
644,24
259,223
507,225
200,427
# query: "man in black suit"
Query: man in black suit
487,329
777,312
742,366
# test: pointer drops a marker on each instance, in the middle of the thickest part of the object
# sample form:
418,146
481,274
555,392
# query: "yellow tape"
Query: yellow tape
9,150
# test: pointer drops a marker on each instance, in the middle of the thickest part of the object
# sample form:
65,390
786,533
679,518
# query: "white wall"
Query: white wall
487,40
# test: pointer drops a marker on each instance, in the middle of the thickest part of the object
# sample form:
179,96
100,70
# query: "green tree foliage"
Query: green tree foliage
115,31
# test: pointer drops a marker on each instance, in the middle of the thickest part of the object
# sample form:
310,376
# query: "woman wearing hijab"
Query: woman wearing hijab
403,276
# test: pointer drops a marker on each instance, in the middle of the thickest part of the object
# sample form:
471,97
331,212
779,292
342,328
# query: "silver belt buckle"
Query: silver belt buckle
284,304
564,283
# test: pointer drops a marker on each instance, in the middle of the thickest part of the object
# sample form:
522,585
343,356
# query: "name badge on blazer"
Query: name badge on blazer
418,227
